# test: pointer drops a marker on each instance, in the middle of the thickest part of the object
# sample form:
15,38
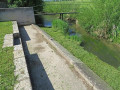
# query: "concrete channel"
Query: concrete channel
47,69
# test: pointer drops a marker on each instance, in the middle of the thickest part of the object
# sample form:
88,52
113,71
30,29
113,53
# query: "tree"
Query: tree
26,3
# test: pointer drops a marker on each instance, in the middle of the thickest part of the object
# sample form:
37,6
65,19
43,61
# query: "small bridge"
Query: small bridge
61,14
64,8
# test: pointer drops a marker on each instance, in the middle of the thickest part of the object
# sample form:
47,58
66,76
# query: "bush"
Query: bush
60,25
101,18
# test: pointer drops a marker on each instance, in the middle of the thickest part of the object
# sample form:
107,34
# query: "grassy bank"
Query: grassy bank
99,18
60,25
7,78
102,69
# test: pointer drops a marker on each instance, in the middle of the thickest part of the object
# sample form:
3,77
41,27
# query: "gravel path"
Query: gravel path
47,69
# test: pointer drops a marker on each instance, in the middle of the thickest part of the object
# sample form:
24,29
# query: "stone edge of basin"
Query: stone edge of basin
90,77
16,33
21,70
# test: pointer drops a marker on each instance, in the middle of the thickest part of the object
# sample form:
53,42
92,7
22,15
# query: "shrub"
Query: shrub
101,18
60,25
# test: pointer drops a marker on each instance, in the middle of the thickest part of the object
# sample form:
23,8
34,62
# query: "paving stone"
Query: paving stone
18,54
22,73
23,85
15,30
8,36
18,47
15,27
21,70
8,40
20,63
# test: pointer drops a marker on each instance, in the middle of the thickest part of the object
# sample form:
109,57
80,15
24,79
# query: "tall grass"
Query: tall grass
60,25
63,27
98,17
63,6
101,18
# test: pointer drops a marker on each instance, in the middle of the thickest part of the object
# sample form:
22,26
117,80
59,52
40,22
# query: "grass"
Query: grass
60,25
99,18
108,73
7,78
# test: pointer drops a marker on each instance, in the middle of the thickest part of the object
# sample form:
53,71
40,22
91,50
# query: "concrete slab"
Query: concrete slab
8,40
8,36
18,54
18,47
23,15
15,30
21,71
22,74
20,63
23,85
8,43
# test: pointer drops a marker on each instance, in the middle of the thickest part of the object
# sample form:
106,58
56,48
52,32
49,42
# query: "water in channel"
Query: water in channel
106,51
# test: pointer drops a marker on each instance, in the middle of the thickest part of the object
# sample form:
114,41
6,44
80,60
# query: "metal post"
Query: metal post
62,16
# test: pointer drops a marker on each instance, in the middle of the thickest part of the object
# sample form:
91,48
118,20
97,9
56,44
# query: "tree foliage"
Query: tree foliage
26,3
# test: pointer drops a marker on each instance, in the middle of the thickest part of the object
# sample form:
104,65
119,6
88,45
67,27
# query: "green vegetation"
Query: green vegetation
60,25
63,6
26,3
102,69
7,78
99,18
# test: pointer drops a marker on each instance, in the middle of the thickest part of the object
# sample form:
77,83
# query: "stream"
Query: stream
106,51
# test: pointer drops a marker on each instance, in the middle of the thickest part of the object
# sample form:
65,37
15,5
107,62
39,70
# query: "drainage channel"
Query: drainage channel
35,67
47,70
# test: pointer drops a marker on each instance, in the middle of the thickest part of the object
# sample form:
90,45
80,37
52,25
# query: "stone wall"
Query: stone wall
23,15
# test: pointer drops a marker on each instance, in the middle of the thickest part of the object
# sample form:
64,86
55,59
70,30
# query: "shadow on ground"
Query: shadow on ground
38,75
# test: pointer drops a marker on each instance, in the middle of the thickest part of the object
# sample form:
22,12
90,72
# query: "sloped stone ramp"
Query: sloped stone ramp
48,70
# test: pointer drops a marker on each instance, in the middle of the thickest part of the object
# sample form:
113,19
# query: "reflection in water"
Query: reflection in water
44,21
47,23
71,32
106,51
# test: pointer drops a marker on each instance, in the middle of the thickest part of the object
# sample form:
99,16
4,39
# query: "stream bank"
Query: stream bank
106,51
